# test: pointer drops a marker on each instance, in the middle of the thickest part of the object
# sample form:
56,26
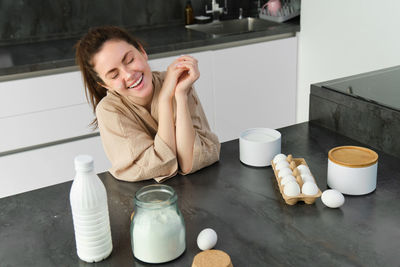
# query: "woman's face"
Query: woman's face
124,69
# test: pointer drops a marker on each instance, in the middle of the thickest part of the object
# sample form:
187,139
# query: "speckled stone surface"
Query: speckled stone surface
357,118
244,206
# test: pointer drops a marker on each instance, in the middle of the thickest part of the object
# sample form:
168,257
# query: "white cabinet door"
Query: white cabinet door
44,109
255,86
44,127
203,86
41,93
47,166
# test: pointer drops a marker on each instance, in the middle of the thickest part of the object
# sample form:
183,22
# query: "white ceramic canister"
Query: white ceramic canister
352,170
88,198
258,146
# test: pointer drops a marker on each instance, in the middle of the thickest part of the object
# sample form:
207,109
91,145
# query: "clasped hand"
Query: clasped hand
180,76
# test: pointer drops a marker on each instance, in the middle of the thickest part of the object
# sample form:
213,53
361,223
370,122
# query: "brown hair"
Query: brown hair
86,48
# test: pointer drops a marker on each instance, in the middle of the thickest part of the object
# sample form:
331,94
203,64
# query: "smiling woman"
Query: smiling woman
152,124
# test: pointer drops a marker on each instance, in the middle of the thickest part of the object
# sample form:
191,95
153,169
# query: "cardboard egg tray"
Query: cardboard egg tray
294,162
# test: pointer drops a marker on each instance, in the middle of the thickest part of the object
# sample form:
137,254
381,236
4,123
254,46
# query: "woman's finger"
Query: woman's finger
187,58
191,67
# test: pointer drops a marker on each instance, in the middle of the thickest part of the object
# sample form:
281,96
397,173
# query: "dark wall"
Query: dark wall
37,20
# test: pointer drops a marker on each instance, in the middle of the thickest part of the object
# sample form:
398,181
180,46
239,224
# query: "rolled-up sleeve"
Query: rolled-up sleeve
134,154
206,147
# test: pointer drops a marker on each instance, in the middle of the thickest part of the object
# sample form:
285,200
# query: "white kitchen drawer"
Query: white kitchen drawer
41,93
47,166
45,126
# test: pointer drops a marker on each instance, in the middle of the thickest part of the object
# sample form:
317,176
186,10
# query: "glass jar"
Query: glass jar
157,227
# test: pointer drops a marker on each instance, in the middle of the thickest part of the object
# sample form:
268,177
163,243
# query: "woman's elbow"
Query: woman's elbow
186,167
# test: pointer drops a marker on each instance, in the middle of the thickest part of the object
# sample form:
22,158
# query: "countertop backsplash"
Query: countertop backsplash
27,21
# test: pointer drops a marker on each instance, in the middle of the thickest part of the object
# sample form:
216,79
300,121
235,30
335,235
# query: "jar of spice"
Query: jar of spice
157,227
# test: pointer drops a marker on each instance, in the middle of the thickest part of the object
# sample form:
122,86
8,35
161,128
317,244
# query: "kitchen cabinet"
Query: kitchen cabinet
246,86
240,87
37,168
44,124
255,86
43,109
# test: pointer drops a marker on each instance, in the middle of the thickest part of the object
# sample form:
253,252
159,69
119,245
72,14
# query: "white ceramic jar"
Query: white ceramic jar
258,146
352,170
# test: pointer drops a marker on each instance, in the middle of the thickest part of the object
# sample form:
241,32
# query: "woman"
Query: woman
152,124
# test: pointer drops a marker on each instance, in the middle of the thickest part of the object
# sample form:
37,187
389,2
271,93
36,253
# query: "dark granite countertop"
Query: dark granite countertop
380,86
365,107
159,41
243,204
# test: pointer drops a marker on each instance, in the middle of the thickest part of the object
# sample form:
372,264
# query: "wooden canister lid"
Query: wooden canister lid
353,156
212,258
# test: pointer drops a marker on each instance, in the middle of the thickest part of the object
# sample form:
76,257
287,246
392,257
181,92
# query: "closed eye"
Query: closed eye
129,60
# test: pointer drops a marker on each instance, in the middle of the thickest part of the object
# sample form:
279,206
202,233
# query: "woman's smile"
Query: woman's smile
138,84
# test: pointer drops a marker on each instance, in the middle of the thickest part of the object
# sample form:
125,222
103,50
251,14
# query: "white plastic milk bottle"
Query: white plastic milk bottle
89,207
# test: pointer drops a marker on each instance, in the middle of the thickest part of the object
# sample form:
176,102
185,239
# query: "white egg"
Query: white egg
307,178
207,239
283,172
288,178
303,169
309,189
282,164
291,189
279,157
332,198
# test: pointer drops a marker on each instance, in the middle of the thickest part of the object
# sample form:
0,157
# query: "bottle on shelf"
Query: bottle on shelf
189,17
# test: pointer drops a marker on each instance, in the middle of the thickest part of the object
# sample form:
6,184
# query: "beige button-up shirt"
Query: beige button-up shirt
130,140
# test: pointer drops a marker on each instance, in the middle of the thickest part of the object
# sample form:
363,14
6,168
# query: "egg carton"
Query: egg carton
291,200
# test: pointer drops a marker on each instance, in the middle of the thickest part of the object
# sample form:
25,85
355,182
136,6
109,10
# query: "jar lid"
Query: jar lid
353,156
212,257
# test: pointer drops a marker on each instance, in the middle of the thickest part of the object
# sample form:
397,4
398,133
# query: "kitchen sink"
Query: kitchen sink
235,26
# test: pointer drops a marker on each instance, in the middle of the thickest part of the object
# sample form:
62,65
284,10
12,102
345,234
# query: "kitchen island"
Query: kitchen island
241,203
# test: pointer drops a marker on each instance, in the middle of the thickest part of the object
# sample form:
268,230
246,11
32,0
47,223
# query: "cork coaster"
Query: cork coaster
212,258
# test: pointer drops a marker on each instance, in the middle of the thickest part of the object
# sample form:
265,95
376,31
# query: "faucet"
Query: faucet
216,10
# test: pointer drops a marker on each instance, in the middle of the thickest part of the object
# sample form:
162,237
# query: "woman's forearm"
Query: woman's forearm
166,127
185,133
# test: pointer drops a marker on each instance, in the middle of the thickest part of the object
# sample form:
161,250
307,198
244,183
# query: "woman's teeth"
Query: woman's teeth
137,82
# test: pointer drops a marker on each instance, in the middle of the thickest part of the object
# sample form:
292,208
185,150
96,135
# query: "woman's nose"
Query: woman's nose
127,74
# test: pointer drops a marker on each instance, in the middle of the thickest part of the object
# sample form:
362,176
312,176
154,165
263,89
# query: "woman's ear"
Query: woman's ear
103,85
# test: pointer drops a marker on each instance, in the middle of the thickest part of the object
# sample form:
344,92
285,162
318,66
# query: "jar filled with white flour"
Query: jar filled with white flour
157,228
